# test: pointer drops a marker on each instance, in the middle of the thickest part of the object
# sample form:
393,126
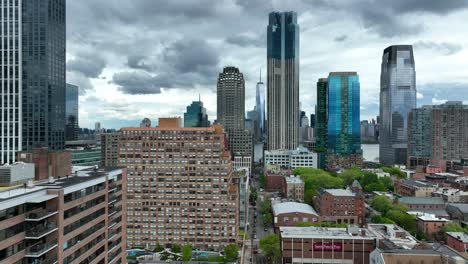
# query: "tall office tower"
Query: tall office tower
71,112
312,120
322,121
196,115
231,99
283,80
438,133
397,99
32,76
185,191
260,109
343,121
77,219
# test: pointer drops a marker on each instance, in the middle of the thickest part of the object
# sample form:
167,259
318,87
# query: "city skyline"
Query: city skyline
113,59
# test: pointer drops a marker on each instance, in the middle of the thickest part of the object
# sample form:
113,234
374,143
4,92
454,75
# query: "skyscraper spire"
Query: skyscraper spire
260,75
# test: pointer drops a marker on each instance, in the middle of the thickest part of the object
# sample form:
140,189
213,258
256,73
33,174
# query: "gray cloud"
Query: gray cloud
340,38
444,48
90,65
245,40
79,79
138,62
136,82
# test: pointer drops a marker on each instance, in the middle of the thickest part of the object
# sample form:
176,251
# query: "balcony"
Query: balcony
38,250
40,231
48,260
39,215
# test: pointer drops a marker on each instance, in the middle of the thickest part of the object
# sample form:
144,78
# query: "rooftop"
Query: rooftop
462,207
293,179
417,183
340,192
459,235
293,207
325,233
431,218
421,200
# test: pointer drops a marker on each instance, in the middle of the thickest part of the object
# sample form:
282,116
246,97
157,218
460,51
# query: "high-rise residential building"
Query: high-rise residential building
343,120
438,132
231,99
32,76
196,116
321,116
110,148
71,112
77,219
260,135
184,191
397,99
146,122
283,80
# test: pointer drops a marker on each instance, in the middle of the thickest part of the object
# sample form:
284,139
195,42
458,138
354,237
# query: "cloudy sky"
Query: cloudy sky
151,58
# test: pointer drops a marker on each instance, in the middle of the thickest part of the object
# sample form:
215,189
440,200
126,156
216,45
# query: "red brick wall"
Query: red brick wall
456,244
274,183
281,219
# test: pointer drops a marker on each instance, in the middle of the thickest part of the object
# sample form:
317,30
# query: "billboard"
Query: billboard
328,246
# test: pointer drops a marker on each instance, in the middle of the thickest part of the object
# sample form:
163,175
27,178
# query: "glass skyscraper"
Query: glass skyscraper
343,114
196,115
283,80
71,112
397,99
32,76
260,110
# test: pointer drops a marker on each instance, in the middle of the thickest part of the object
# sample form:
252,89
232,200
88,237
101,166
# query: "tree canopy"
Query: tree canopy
186,252
231,252
315,179
270,246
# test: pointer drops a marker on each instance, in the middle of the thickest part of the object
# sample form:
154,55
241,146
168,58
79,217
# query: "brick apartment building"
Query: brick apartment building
77,219
181,188
430,225
294,188
423,203
326,245
275,179
414,188
458,241
340,206
47,163
110,149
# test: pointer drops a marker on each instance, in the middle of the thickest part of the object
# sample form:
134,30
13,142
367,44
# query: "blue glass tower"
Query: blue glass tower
196,115
343,126
283,80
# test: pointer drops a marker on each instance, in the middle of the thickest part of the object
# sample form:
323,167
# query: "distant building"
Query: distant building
187,178
292,213
326,245
196,115
292,159
410,256
397,99
321,126
423,203
260,125
15,174
458,241
48,163
409,187
275,179
430,225
110,148
283,80
343,123
458,212
341,206
438,132
71,112
77,219
146,122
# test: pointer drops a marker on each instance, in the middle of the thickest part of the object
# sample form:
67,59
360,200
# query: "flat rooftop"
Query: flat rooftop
340,192
293,179
293,207
462,236
323,233
421,200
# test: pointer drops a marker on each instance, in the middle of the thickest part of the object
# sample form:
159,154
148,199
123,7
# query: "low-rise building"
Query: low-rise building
292,213
47,163
291,159
414,188
350,245
430,225
423,203
391,236
451,195
340,206
409,256
15,174
275,179
294,188
458,212
77,219
458,241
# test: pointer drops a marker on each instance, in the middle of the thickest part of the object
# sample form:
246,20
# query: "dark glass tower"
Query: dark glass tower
283,80
397,99
321,124
71,112
343,115
33,76
231,99
196,116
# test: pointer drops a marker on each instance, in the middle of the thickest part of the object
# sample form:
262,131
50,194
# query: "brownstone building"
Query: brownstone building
79,219
180,186
340,206
47,163
326,245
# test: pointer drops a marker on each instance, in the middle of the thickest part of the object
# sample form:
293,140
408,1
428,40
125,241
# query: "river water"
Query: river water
370,152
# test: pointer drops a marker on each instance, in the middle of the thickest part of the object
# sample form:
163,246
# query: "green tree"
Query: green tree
376,186
253,195
315,179
270,246
387,182
268,218
231,252
349,175
158,248
186,252
454,227
175,248
266,206
394,171
378,219
262,180
381,204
